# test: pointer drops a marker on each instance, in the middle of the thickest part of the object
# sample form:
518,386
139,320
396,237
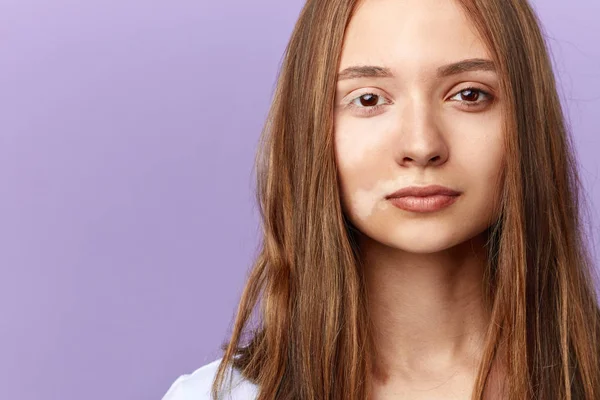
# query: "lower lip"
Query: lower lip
423,204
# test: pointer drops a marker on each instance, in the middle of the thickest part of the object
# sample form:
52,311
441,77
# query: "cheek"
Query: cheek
477,146
362,203
361,150
485,160
359,141
481,166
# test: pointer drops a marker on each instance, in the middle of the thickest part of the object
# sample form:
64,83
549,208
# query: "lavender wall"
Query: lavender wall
127,137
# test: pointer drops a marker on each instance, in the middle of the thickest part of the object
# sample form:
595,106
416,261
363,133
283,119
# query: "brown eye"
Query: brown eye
470,95
368,100
368,104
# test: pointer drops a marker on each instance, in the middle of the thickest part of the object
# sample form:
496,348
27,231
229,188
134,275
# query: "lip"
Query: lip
423,198
423,191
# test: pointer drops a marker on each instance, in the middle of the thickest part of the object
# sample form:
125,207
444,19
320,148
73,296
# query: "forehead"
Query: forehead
410,36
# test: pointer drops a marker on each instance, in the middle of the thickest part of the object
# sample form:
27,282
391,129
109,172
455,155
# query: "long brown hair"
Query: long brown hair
306,288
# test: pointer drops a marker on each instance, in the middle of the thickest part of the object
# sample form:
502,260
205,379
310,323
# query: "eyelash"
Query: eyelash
373,109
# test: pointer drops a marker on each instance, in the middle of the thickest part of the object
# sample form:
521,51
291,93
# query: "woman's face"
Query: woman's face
417,121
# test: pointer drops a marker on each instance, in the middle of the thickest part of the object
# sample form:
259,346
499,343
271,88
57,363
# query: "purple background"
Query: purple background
127,138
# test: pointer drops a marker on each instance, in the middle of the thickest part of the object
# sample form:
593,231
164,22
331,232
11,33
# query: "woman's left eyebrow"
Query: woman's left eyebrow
374,71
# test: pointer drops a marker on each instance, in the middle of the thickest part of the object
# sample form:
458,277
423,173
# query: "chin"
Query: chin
421,237
433,243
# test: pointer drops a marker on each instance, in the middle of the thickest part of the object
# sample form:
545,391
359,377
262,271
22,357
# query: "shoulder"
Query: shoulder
197,385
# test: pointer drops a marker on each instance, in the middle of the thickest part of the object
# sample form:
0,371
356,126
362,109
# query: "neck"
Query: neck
427,311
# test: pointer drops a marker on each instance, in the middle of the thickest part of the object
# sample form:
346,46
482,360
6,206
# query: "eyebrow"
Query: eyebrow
373,71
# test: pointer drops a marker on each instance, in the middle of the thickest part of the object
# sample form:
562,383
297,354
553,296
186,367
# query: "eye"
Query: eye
367,103
473,97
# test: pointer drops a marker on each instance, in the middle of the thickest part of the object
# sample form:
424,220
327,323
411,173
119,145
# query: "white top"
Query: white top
196,386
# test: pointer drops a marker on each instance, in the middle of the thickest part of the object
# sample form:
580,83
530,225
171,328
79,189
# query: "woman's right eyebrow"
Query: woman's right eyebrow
375,71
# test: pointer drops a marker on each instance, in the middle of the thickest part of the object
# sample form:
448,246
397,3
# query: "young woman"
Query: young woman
422,216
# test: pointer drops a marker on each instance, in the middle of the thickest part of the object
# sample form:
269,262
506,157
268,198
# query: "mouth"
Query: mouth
423,199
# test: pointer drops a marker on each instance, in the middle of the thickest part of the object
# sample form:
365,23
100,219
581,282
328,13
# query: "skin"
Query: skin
424,271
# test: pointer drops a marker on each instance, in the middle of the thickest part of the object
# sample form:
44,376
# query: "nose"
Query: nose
420,142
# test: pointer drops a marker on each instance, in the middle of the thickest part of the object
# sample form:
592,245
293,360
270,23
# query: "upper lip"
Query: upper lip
423,191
